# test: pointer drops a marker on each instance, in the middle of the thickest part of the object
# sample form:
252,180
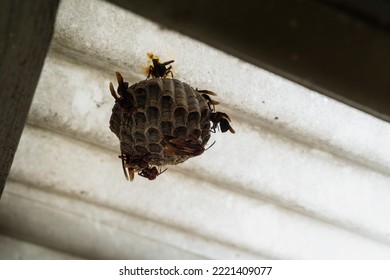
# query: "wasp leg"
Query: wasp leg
151,69
161,172
213,128
168,71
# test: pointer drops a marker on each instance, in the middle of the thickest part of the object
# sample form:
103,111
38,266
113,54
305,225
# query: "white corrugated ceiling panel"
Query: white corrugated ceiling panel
303,177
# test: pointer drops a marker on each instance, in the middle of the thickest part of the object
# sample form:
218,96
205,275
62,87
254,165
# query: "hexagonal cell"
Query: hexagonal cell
180,116
206,138
127,136
193,103
140,96
128,121
155,148
195,133
205,114
153,115
193,120
154,89
140,150
166,128
127,148
116,119
181,131
180,95
156,159
153,135
140,138
140,121
166,107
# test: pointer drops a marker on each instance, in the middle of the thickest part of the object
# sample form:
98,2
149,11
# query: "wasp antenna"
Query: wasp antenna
231,129
114,93
210,145
119,78
169,72
209,92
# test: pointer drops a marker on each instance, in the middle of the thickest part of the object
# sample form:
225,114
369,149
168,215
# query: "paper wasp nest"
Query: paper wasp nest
161,121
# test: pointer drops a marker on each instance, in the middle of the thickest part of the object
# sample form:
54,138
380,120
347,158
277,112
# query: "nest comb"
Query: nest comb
161,121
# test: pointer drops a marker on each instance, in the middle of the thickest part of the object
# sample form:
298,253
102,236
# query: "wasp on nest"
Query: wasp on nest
162,121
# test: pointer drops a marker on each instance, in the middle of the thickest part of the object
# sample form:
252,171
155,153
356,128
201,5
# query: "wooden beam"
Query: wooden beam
26,28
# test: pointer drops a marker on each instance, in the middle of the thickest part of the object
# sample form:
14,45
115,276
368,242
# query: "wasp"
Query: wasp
133,113
151,172
158,69
184,146
216,117
133,164
223,120
122,96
